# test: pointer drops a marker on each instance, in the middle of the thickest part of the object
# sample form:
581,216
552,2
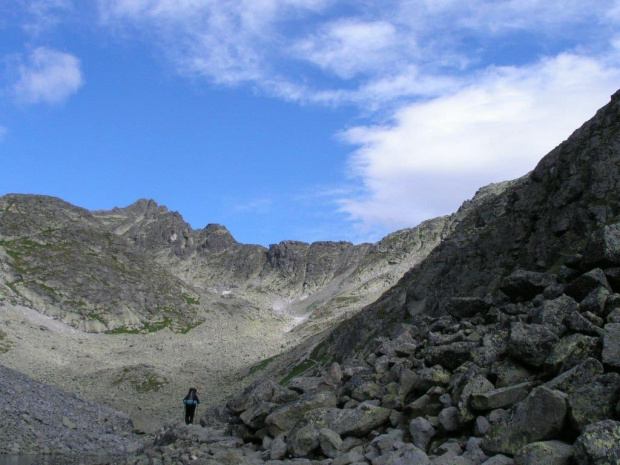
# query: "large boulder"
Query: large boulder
284,418
577,376
594,401
346,422
586,283
263,390
467,307
571,351
546,452
599,444
531,343
407,455
500,398
450,356
540,416
603,248
523,285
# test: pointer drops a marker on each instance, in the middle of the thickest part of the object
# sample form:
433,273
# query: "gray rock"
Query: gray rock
577,376
577,323
421,433
283,419
481,426
500,398
586,283
448,419
595,302
530,343
348,422
552,313
546,452
408,455
303,440
611,345
599,444
540,416
603,248
467,307
278,448
450,356
594,401
571,351
499,460
330,442
523,285
254,417
263,390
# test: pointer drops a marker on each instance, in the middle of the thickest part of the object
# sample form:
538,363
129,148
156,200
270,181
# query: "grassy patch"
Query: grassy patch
190,300
141,383
146,328
189,326
48,289
261,365
344,301
298,370
94,316
5,345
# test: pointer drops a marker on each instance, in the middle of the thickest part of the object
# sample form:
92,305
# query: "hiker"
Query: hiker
191,401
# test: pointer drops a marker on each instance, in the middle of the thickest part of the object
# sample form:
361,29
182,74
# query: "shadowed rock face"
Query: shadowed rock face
536,223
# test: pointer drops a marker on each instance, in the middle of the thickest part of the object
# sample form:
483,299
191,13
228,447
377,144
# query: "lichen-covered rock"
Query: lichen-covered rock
530,343
571,351
599,444
264,390
611,345
546,452
500,398
330,442
284,418
408,455
577,376
594,401
540,416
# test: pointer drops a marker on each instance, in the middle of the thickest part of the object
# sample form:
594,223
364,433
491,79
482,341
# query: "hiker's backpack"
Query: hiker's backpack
189,401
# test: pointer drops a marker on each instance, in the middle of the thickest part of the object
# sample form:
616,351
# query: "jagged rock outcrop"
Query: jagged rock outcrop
143,267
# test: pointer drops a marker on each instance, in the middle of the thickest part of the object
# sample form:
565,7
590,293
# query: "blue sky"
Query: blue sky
294,119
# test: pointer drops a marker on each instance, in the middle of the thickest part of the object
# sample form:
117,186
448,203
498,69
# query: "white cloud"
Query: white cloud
435,154
44,15
347,48
48,76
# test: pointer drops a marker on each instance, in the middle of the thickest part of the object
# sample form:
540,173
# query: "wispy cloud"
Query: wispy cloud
47,76
261,205
43,15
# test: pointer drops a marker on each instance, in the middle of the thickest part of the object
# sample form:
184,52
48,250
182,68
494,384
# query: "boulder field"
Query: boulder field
528,376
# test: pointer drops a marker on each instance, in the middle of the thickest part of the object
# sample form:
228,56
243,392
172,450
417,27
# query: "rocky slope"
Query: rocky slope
40,419
504,345
143,268
539,222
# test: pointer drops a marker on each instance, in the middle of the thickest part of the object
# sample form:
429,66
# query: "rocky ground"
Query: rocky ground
528,376
41,419
141,373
